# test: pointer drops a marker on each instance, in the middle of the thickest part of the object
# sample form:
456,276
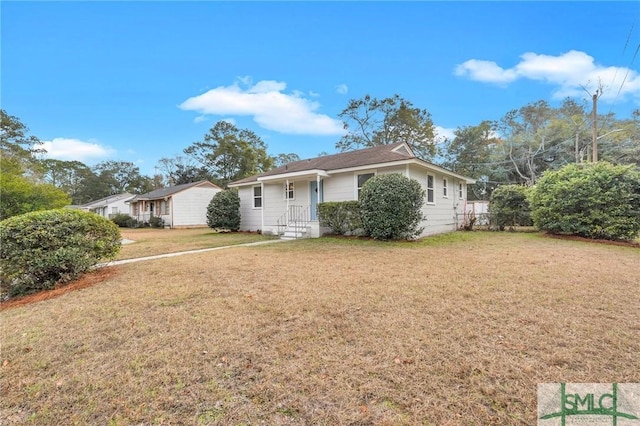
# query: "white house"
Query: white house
180,206
109,206
284,200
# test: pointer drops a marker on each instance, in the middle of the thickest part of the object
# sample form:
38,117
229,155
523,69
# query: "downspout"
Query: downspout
286,196
171,209
262,208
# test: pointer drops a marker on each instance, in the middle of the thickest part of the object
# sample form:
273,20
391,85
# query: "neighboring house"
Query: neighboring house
284,200
180,206
109,206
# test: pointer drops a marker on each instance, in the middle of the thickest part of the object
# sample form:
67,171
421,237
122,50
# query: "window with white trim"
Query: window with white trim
257,197
460,191
445,194
362,179
289,193
431,189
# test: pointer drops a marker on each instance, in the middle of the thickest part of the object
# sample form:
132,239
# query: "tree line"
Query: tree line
516,149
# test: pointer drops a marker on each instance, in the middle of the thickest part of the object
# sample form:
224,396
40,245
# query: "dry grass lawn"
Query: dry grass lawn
455,330
152,241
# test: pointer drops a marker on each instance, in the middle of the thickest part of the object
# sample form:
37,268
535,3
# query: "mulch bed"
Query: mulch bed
87,280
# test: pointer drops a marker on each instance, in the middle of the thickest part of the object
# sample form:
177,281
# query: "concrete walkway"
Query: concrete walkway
182,253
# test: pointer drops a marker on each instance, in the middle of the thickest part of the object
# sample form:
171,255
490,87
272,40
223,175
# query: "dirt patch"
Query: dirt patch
87,280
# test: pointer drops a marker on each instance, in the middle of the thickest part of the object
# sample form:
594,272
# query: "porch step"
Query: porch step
294,233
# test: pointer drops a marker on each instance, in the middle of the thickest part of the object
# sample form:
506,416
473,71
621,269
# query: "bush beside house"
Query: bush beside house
223,211
391,207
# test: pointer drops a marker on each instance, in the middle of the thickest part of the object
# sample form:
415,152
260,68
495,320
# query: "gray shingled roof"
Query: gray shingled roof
170,190
362,157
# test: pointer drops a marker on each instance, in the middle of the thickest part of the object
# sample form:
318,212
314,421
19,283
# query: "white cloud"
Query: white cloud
342,89
200,119
75,150
270,108
568,72
444,133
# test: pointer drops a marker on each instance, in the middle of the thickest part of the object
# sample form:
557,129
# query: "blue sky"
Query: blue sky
138,81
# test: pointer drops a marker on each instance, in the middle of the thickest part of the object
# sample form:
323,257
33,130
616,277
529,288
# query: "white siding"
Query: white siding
190,206
441,215
250,218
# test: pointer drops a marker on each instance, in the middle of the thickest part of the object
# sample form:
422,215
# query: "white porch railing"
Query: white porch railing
295,216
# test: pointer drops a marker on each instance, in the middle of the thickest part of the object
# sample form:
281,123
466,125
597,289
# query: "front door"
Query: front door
314,196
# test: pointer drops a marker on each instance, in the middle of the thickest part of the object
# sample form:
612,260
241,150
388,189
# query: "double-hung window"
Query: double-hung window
289,191
362,179
445,188
460,191
431,188
257,197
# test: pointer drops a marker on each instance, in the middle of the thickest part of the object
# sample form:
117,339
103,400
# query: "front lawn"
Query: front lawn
454,330
151,241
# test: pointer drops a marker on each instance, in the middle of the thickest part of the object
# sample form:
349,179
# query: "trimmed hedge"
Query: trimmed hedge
342,217
391,207
45,248
599,201
223,211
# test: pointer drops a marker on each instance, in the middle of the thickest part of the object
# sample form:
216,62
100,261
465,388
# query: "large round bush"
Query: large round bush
223,211
509,206
391,207
45,248
592,200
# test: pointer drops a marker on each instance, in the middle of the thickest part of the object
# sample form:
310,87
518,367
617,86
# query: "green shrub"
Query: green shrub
42,249
598,200
223,211
342,217
123,220
391,207
509,206
156,222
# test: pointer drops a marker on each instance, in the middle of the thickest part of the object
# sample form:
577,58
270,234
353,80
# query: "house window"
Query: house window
164,207
431,187
257,197
114,210
362,179
460,191
289,192
444,188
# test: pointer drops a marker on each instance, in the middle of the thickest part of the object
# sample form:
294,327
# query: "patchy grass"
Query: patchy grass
150,241
458,329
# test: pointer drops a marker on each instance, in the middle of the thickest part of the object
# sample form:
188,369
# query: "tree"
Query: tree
122,176
284,159
223,211
472,153
76,179
14,140
229,153
372,122
179,170
391,207
593,200
21,195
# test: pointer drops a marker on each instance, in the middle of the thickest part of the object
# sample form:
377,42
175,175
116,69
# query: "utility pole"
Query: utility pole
595,126
594,119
